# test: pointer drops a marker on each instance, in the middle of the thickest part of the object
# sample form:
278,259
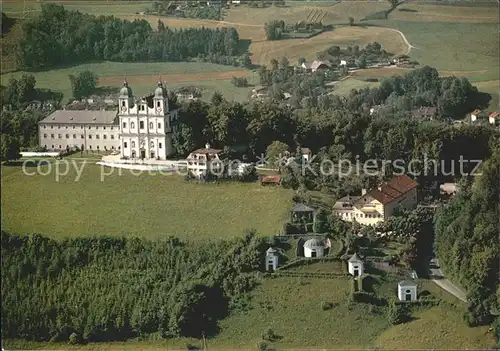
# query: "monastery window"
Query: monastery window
90,147
44,126
132,125
112,147
74,126
141,125
111,128
151,125
104,128
143,108
97,147
60,148
67,136
119,147
125,145
81,127
74,136
52,147
104,136
45,135
51,127
112,137
66,127
124,125
157,104
96,127
159,125
133,144
97,136
59,136
90,136
82,136
159,145
123,103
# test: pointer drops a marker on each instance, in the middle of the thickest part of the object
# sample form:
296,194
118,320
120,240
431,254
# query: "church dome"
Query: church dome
160,90
313,243
125,90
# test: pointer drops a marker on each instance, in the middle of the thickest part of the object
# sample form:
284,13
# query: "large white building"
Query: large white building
142,128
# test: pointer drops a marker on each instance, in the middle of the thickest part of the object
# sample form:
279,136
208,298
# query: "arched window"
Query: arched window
133,144
151,125
132,125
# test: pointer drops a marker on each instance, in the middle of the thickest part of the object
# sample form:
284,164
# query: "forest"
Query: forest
58,36
468,245
103,288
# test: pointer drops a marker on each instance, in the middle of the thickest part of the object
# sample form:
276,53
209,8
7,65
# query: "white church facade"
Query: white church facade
140,129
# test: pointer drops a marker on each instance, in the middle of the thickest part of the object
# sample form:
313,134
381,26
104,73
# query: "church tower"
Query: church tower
126,99
160,100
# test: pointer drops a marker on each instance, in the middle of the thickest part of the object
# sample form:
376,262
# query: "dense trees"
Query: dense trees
9,148
114,288
274,30
83,84
467,241
58,36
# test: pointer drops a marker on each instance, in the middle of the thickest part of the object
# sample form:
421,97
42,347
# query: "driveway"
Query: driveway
438,277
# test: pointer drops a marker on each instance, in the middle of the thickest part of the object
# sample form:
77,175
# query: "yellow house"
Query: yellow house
378,204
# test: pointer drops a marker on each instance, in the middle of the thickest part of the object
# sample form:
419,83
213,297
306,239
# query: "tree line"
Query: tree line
104,288
467,242
59,36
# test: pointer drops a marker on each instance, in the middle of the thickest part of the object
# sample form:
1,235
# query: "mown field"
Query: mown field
143,77
292,308
149,205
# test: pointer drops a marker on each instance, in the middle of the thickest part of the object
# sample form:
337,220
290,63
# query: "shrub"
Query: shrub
396,313
74,339
326,305
262,346
269,335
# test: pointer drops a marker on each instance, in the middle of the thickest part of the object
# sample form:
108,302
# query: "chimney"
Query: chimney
207,146
363,191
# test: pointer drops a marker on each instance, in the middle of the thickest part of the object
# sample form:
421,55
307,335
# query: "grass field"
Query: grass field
345,86
151,206
143,77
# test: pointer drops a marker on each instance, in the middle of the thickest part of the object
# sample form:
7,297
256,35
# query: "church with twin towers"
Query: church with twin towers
140,129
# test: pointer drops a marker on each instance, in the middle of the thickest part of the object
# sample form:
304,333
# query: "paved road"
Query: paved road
438,277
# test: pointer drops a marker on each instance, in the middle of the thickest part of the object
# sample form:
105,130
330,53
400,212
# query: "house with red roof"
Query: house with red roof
494,118
378,204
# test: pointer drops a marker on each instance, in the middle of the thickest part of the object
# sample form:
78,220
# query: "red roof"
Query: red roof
495,114
270,179
393,189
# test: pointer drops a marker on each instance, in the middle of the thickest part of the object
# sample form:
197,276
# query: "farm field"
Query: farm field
439,13
264,51
163,205
441,45
328,13
292,308
144,76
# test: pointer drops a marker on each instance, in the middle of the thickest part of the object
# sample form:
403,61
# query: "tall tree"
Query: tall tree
83,84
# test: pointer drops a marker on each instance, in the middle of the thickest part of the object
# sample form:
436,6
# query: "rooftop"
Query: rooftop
312,243
302,208
78,116
407,283
393,189
355,258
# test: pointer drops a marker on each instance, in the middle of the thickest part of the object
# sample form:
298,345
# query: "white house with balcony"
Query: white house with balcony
202,161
